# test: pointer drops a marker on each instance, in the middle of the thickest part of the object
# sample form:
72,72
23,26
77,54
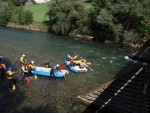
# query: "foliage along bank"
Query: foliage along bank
121,22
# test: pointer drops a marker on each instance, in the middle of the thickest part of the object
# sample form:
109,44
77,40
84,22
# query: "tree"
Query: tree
115,19
66,16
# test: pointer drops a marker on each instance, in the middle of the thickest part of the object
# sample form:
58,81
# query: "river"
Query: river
55,96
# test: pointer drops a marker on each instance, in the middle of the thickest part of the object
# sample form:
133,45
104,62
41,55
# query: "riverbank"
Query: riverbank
35,26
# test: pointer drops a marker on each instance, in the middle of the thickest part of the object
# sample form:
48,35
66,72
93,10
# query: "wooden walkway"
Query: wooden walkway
123,95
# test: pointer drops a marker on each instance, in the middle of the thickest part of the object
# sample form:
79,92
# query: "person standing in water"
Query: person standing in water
22,59
11,78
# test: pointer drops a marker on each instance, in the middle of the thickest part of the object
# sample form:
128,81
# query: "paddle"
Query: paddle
35,76
90,68
88,63
28,80
14,87
14,82
66,80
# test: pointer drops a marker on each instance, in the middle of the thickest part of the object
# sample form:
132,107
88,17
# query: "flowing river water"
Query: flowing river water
55,96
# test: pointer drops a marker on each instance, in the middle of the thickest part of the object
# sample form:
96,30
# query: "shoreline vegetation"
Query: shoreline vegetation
122,24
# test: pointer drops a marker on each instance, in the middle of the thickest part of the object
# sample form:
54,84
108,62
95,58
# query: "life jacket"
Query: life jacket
24,69
75,57
30,66
71,63
9,74
22,60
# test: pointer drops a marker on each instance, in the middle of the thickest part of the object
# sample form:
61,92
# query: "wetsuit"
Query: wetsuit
31,67
52,72
22,60
24,69
10,77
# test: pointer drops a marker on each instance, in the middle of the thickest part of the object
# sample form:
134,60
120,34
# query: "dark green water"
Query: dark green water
54,96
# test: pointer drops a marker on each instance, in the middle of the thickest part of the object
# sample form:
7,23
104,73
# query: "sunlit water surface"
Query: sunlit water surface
55,96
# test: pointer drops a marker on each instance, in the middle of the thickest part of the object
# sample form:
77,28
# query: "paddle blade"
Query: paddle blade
28,81
88,63
66,80
91,69
14,87
35,77
63,67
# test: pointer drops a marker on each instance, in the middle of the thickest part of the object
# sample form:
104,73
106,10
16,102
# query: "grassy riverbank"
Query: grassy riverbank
39,11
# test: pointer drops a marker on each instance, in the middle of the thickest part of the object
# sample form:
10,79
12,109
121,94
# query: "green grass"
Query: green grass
39,11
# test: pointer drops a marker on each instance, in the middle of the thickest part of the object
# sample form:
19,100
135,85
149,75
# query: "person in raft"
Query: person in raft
11,78
31,67
75,56
47,63
53,70
22,59
83,60
68,58
71,63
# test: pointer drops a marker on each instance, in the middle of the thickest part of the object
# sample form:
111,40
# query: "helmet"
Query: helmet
57,65
9,68
32,62
23,55
48,61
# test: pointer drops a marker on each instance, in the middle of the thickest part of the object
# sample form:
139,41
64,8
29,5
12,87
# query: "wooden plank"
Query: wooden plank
111,91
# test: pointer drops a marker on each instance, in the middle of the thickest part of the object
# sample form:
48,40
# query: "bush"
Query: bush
3,18
25,17
28,15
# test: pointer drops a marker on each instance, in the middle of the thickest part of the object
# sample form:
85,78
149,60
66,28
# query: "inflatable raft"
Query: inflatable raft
46,72
75,68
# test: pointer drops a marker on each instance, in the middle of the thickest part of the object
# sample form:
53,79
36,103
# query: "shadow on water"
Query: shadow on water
126,72
40,109
11,101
